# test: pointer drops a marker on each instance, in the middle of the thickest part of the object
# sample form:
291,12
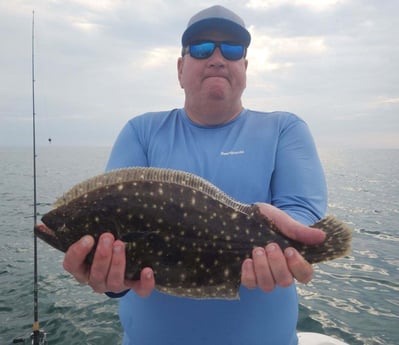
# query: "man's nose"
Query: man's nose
217,59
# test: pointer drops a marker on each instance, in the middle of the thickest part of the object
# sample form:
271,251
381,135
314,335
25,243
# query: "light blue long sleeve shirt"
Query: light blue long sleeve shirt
257,157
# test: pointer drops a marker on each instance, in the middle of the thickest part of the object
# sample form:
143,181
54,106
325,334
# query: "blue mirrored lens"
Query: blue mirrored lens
204,50
232,51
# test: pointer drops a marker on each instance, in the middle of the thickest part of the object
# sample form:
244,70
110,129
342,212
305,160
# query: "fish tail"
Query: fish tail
337,243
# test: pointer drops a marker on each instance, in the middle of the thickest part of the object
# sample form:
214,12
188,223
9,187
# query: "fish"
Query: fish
192,234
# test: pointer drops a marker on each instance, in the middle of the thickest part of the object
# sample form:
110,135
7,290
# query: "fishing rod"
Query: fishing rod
38,336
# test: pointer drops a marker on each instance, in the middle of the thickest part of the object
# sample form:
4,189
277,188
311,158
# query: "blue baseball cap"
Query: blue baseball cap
216,18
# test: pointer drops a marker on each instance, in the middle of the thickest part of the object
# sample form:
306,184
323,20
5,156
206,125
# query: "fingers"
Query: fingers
290,227
278,266
266,269
107,271
145,285
101,263
263,270
298,266
248,275
74,260
270,267
115,280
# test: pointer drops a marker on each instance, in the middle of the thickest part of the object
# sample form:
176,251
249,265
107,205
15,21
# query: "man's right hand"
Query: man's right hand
106,273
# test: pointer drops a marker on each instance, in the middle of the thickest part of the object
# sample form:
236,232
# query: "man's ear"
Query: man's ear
180,63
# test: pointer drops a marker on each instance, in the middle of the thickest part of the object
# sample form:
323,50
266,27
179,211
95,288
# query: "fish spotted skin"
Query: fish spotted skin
194,236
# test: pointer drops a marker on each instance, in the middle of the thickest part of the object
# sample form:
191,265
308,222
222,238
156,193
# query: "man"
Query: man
253,157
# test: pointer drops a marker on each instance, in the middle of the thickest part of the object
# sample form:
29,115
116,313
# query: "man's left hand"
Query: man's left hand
270,266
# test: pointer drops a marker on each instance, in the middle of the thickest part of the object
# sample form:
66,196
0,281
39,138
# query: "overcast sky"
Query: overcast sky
98,63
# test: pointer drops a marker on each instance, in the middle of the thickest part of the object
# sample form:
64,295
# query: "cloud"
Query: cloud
99,62
384,100
98,5
268,53
320,5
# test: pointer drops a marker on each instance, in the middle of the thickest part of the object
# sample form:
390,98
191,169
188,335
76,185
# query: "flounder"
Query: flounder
194,236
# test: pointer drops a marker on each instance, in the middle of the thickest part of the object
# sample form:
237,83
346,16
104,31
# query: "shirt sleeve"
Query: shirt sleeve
298,183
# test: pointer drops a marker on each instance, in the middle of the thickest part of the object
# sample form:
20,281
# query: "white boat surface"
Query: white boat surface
310,338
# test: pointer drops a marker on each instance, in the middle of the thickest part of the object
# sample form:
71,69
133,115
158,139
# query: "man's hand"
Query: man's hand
270,266
106,273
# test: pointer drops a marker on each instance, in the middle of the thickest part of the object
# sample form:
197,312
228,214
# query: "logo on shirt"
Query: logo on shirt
232,153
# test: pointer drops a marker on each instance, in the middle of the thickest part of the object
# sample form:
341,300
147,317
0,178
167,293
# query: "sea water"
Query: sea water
355,299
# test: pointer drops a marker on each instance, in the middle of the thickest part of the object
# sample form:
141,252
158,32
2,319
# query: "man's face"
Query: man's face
214,78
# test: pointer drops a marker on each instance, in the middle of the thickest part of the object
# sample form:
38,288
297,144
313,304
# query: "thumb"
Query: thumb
290,227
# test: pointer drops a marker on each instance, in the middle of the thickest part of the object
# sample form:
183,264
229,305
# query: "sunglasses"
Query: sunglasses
204,49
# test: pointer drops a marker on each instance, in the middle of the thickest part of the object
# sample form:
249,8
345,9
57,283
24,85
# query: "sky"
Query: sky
98,63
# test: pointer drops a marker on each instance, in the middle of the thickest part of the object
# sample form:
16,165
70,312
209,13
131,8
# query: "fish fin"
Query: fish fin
222,291
150,174
337,243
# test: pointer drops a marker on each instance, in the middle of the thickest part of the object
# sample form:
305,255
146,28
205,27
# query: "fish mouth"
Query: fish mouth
43,230
47,235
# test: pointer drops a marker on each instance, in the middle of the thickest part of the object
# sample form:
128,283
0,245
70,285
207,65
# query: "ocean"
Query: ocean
355,299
